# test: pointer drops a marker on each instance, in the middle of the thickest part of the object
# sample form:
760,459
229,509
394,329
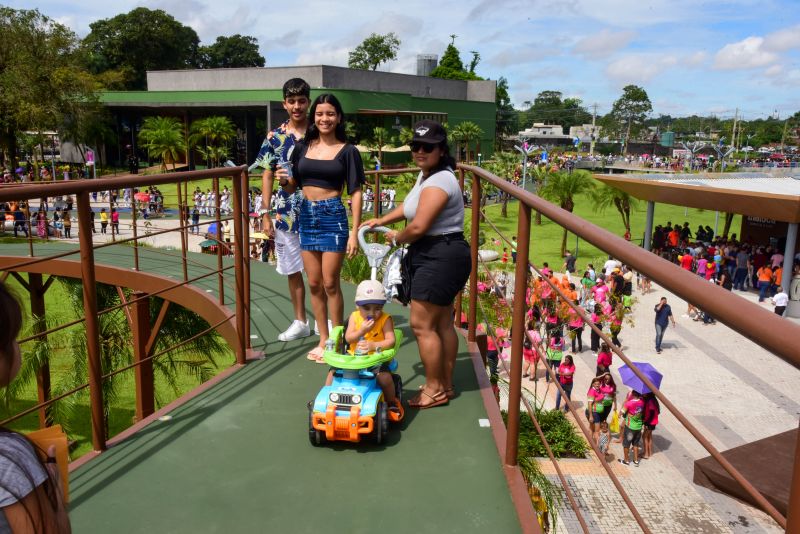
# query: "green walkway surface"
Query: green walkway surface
237,459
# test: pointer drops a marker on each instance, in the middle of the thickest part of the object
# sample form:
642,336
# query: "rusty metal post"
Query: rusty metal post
92,331
135,232
246,265
793,510
143,373
376,197
461,179
518,332
459,309
238,238
220,280
184,244
472,317
36,293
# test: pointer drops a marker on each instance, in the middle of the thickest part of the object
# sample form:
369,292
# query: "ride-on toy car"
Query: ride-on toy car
353,406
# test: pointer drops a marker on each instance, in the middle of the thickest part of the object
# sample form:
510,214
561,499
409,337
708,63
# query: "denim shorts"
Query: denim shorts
323,225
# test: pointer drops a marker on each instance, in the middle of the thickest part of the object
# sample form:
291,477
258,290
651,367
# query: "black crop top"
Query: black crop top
345,167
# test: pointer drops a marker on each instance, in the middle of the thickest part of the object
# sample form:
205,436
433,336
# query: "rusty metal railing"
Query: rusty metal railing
143,339
757,324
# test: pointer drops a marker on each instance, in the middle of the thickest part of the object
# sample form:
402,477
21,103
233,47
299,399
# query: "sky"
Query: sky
691,56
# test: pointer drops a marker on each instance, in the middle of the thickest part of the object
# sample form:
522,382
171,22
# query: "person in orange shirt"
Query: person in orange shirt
777,274
764,282
674,236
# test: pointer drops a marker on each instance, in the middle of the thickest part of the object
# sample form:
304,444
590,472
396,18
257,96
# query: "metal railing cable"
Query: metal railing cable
586,432
126,303
713,451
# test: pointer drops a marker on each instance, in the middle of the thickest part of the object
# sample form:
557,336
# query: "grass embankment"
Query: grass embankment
546,239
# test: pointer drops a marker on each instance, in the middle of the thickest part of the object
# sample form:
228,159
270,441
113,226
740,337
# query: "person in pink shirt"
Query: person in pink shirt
530,351
594,398
651,411
604,360
633,412
566,374
701,267
599,291
575,324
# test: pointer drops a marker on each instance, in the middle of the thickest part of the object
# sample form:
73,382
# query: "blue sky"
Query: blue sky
692,56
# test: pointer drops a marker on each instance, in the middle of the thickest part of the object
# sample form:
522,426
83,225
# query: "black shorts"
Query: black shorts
440,266
631,437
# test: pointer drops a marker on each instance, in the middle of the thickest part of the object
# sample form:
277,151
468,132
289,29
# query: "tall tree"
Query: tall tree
138,41
42,78
549,107
452,68
562,188
506,122
231,52
630,111
503,165
373,51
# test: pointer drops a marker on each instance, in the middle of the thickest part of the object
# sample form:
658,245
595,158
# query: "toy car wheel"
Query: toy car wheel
316,437
381,423
398,387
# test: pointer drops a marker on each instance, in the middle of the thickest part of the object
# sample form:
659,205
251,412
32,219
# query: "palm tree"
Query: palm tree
466,132
380,136
540,174
606,196
503,165
562,188
214,133
163,136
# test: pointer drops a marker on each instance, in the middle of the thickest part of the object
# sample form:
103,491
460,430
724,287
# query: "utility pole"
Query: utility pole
735,124
594,120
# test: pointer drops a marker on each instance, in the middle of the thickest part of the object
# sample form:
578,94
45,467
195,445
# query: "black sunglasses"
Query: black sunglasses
425,147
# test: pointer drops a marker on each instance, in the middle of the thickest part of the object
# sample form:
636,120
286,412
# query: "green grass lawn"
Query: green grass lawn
121,412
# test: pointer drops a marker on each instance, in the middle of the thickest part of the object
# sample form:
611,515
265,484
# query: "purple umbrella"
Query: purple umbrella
634,382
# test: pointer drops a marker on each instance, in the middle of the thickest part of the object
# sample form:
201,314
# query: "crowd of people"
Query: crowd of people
725,261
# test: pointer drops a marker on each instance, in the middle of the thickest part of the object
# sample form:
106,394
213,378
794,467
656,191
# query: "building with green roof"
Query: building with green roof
252,98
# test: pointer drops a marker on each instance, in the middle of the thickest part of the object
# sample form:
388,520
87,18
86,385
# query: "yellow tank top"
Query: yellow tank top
375,333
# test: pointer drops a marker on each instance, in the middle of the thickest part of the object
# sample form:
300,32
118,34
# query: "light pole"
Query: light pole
526,151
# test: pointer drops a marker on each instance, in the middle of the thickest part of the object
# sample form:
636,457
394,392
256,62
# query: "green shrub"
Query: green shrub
564,440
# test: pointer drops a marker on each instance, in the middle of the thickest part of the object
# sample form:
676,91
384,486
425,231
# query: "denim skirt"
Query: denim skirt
323,225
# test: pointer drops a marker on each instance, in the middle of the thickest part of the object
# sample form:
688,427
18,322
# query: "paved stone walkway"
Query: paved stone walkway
731,389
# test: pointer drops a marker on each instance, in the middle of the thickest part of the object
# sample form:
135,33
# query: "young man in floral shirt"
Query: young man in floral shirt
275,151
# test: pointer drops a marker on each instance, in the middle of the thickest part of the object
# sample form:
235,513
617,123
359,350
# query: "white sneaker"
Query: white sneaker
316,327
296,330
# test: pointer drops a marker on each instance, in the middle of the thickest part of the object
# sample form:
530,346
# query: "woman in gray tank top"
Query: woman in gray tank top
438,259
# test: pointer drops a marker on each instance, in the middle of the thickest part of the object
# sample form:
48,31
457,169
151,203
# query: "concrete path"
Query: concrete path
731,389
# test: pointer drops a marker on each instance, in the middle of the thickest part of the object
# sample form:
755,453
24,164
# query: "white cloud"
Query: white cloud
783,40
638,68
696,59
748,53
603,44
321,55
774,70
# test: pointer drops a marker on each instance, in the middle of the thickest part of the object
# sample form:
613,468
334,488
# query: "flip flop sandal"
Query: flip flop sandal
439,399
315,355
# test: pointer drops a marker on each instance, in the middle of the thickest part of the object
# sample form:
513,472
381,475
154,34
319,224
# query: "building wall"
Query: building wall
320,77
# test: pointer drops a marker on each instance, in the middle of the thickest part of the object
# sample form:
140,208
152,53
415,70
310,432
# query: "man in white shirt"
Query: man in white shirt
780,301
610,265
